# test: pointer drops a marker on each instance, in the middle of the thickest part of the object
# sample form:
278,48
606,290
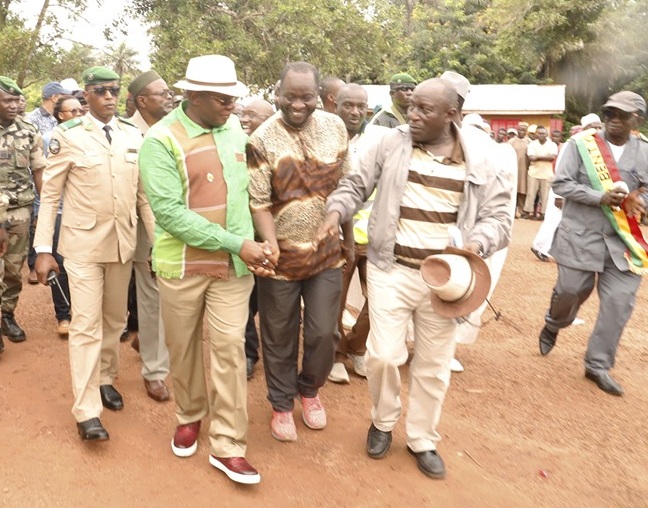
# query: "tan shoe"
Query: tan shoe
63,328
157,390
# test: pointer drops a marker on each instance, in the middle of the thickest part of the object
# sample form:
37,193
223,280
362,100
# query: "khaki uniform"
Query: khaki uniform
21,153
99,184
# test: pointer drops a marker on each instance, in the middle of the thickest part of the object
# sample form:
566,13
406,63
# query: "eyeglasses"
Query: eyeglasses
611,114
74,111
101,90
404,88
222,100
161,93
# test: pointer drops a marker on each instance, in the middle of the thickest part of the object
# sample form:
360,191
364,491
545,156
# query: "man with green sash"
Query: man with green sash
602,176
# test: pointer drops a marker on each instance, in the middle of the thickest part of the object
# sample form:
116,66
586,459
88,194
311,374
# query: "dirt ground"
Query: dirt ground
518,429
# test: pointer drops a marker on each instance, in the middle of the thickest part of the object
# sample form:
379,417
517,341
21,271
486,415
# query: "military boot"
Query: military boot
11,329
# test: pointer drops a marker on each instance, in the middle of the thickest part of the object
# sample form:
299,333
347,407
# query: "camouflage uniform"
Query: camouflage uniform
21,151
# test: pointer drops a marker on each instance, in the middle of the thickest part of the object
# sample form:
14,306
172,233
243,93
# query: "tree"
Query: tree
343,38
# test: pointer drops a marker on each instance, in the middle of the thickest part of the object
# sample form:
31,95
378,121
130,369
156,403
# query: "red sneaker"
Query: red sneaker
237,469
185,440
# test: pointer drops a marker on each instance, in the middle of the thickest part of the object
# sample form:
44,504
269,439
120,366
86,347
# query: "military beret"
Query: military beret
402,78
142,81
10,86
97,74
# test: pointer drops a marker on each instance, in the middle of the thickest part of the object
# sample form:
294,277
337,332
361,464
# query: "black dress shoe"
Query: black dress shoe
110,398
604,382
547,340
542,257
250,363
378,442
11,329
92,430
430,463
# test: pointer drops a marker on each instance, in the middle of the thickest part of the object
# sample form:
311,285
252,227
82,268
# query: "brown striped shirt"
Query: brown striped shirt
429,206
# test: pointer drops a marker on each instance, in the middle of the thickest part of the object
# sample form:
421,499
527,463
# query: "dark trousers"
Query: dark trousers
617,292
251,335
61,308
355,342
279,312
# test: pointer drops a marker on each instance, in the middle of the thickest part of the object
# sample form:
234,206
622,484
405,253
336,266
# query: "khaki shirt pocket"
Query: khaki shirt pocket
87,168
78,220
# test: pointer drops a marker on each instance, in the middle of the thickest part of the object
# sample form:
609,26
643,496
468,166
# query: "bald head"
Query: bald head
432,109
351,107
329,88
254,114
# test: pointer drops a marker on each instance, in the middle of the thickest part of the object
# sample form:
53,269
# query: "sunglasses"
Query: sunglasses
101,90
611,114
222,100
74,111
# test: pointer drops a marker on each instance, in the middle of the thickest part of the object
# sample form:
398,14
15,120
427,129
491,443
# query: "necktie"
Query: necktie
107,129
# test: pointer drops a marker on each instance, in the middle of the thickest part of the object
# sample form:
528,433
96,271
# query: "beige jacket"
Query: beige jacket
102,196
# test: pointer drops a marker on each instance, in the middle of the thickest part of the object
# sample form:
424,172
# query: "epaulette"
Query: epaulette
74,122
126,121
25,123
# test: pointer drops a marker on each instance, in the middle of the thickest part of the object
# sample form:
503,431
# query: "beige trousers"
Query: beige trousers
396,297
225,305
99,293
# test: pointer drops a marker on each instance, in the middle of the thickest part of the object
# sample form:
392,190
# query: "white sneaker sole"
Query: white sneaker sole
247,479
184,452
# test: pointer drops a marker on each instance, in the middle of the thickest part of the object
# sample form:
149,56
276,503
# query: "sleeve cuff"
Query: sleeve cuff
43,249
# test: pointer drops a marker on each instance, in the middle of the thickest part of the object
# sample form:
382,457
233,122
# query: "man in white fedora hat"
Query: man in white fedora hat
429,176
194,173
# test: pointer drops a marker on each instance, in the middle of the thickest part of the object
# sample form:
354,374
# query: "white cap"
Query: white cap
589,119
70,84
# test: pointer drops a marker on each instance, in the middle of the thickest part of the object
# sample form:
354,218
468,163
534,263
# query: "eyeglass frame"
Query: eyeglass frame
101,90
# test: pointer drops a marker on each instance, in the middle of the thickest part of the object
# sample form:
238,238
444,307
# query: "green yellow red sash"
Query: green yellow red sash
603,173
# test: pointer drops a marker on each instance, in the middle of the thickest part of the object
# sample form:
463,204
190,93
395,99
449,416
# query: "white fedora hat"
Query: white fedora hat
212,73
459,281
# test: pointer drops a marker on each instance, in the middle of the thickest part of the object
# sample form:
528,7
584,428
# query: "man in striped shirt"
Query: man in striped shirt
429,176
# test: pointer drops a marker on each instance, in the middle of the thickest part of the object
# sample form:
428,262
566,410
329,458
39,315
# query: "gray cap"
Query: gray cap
626,101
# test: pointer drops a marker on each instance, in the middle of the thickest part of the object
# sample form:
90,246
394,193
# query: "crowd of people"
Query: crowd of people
226,211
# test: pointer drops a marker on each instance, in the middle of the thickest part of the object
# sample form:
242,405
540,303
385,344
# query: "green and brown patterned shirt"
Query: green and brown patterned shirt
292,172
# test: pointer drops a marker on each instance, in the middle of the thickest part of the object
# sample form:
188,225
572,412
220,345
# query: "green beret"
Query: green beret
95,75
402,77
142,81
10,86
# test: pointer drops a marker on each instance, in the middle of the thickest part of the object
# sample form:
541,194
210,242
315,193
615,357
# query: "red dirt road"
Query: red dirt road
518,429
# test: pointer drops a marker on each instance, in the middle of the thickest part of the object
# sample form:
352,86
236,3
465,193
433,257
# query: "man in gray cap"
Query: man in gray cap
153,100
602,176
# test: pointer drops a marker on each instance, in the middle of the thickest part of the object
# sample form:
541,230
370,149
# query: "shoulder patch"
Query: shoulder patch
54,146
126,121
74,122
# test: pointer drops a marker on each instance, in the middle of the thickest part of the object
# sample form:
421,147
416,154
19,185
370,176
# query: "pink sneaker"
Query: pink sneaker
185,440
282,426
313,412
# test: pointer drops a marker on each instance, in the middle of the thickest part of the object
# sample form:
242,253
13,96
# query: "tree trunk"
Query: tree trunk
23,67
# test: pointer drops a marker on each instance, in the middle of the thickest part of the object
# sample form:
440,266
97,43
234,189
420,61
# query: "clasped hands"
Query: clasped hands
260,258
